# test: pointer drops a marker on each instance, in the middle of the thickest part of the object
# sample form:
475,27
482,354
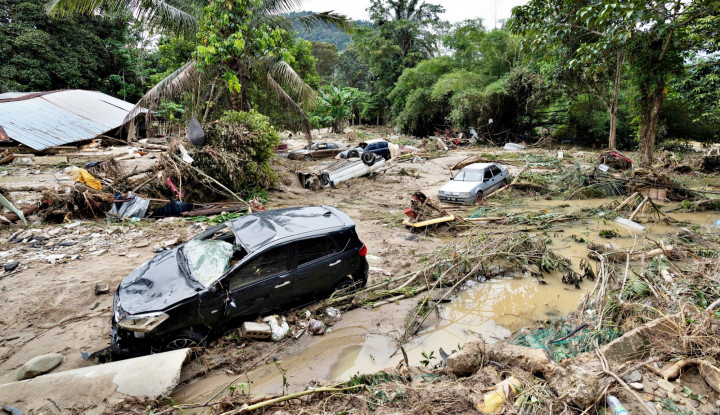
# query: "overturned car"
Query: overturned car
235,272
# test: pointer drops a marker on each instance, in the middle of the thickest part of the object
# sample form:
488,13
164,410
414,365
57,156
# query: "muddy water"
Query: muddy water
365,340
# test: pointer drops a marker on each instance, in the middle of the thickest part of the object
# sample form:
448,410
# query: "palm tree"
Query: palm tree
182,17
409,17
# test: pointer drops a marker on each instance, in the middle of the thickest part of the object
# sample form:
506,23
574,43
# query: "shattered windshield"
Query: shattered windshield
469,176
208,259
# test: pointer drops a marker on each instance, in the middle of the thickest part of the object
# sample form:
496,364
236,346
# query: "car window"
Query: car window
267,264
488,174
332,145
315,248
342,239
495,170
383,144
469,176
370,147
322,146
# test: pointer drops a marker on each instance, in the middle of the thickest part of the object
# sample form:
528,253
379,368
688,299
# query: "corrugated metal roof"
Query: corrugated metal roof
9,95
61,117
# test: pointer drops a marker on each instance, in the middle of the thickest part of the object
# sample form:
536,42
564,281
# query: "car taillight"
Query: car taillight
363,250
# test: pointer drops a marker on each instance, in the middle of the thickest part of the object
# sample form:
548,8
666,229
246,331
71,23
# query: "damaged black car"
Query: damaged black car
235,272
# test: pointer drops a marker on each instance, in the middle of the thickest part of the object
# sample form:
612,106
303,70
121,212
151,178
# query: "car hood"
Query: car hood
458,186
300,151
155,285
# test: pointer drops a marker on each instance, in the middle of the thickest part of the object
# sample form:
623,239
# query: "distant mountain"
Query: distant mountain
325,33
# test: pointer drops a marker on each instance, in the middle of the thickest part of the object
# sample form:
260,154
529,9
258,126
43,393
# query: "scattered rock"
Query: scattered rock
316,327
39,365
633,377
103,290
412,238
10,266
157,249
142,244
637,386
99,252
132,255
667,386
171,242
695,403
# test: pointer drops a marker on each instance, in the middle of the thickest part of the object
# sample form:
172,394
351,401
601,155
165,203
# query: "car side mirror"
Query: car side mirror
229,307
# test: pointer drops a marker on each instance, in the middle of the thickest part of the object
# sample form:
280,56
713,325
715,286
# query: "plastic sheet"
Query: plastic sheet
82,176
134,208
208,259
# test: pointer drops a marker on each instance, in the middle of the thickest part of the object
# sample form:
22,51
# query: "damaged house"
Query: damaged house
42,120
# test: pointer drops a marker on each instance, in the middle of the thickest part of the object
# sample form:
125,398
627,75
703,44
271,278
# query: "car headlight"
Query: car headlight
142,323
464,194
441,193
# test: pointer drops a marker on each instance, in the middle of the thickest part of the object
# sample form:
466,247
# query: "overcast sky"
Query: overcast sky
456,10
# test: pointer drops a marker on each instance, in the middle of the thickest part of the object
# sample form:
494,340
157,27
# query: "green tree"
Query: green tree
38,53
655,37
236,38
327,60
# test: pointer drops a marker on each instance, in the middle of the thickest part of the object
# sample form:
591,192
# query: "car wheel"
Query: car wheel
479,197
325,179
368,158
503,183
307,157
352,154
185,339
345,284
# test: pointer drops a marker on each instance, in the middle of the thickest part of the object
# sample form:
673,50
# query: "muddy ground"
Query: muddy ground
49,304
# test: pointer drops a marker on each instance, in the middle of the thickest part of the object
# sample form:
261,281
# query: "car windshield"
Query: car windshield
209,255
467,175
208,259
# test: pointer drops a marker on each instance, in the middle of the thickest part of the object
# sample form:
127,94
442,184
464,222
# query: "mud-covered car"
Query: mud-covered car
472,183
317,151
235,272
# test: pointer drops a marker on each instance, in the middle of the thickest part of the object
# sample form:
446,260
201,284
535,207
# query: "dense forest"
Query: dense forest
603,74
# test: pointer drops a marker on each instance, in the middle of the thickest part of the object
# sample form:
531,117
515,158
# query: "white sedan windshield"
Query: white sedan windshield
469,176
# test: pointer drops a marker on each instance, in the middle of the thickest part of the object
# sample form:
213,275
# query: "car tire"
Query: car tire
368,158
352,153
325,179
479,197
503,183
345,284
386,157
187,338
307,157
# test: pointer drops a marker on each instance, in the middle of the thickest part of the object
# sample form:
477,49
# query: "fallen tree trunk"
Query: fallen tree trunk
12,217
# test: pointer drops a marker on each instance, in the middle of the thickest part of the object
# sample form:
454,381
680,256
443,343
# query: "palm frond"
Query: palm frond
291,102
330,18
180,80
178,16
287,75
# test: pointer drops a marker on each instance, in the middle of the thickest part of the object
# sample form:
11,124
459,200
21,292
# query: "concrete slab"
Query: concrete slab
149,376
50,160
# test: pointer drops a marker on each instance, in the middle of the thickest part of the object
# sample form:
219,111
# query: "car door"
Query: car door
263,282
320,151
318,267
332,150
497,176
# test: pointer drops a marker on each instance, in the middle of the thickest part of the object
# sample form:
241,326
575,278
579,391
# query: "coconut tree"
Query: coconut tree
237,40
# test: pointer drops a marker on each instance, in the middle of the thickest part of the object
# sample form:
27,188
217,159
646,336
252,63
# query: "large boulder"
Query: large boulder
39,365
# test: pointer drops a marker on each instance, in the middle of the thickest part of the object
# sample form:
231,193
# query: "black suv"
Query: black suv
235,272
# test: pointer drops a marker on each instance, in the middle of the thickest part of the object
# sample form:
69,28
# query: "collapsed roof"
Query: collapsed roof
41,120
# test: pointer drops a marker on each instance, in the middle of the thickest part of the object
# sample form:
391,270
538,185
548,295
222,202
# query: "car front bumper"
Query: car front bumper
463,200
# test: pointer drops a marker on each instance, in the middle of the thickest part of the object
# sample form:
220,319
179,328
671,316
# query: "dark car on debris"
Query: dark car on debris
377,146
317,151
235,272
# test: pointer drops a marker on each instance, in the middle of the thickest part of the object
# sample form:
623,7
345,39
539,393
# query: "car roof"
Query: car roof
269,227
478,166
374,140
